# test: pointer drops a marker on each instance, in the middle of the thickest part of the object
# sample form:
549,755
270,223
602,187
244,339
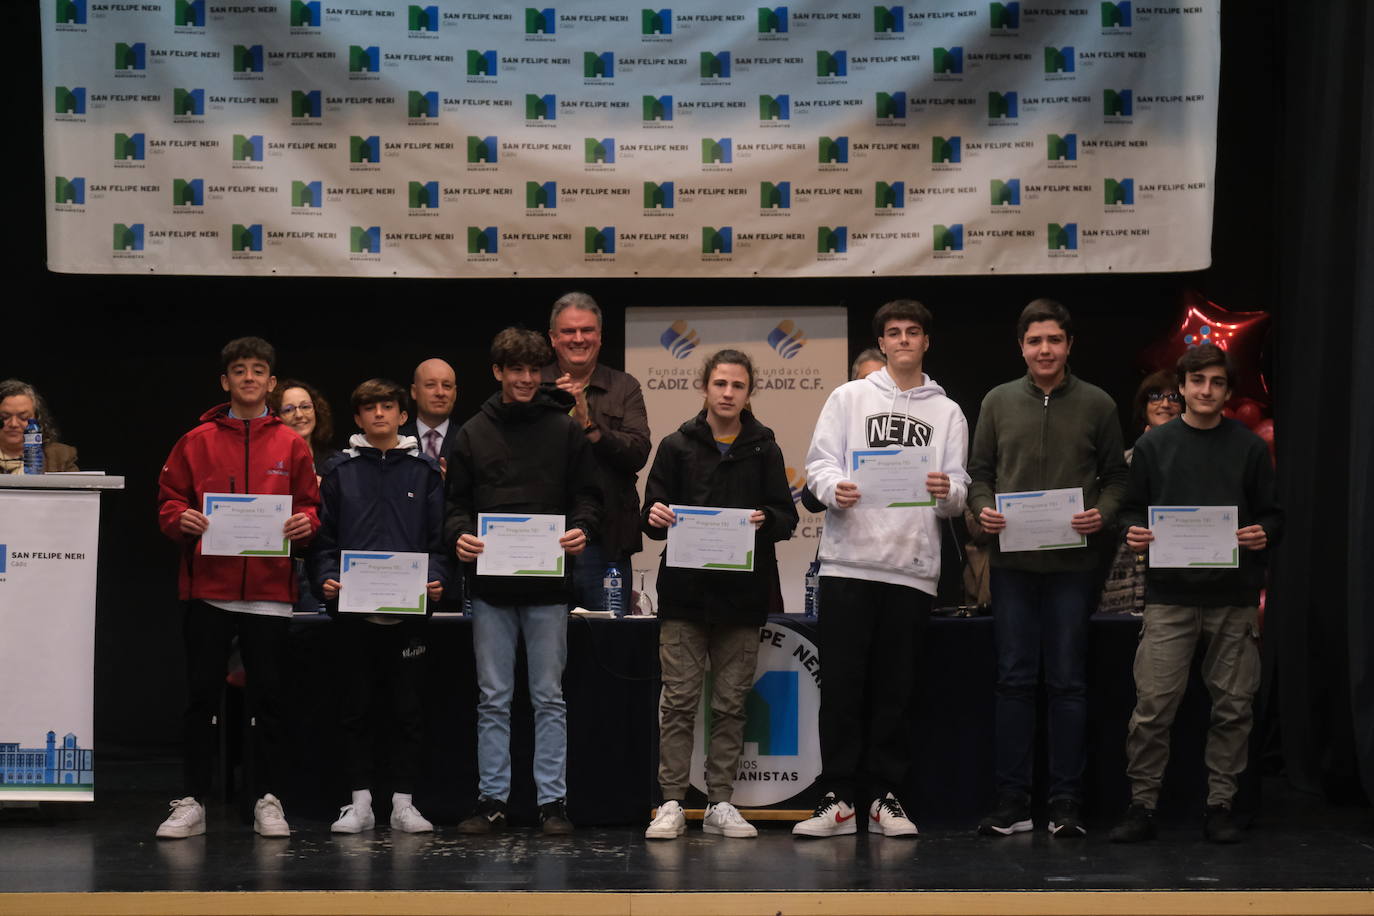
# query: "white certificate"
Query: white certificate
245,525
376,582
1040,520
892,478
706,538
520,545
1194,536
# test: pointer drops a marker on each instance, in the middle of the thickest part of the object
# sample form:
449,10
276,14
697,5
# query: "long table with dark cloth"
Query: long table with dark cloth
611,688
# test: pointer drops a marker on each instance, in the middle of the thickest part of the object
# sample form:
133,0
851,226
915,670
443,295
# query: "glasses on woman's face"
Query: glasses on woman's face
288,410
1173,397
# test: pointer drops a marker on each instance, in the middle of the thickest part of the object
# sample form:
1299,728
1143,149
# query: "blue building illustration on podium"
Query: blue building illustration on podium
67,764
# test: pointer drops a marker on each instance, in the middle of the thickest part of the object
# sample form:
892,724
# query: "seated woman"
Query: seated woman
306,411
1157,401
19,403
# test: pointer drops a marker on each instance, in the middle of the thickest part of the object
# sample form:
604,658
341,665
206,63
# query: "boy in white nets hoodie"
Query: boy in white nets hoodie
879,570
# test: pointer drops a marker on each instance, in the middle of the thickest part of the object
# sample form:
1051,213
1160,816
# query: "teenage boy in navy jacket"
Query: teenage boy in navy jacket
239,447
384,494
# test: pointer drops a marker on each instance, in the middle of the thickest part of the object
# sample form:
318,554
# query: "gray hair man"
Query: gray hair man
609,406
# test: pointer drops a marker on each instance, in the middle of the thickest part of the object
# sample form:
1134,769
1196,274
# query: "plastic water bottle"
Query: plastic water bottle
613,590
812,606
33,448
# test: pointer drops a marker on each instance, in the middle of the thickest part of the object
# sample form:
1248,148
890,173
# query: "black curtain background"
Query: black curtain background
129,362
1320,633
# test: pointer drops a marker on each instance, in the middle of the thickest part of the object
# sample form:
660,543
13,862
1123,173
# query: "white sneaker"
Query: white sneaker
724,819
187,819
409,820
353,819
268,817
886,816
832,817
670,823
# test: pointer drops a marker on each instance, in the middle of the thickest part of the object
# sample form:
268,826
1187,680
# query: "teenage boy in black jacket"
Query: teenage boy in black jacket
724,458
1201,458
383,494
521,453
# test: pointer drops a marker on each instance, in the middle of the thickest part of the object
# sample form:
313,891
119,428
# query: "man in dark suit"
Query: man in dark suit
434,392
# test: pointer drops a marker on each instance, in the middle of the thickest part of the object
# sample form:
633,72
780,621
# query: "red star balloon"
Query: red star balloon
1240,334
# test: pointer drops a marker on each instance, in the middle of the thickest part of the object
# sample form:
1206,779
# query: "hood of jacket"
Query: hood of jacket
546,398
357,443
751,430
887,387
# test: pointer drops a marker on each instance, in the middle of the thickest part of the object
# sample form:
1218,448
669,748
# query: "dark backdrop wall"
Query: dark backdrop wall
129,363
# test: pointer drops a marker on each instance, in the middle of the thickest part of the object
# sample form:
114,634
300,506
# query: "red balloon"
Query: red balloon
1247,411
1240,334
1265,430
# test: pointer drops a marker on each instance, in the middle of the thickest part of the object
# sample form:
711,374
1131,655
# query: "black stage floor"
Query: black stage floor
1296,843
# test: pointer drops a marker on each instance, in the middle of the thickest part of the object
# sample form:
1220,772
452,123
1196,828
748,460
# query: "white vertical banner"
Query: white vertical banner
799,355
48,543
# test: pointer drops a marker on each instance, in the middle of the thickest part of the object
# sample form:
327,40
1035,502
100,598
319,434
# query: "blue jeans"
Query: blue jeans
495,632
589,569
1035,615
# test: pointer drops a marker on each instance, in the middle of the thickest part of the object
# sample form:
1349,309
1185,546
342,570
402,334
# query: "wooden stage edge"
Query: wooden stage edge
782,903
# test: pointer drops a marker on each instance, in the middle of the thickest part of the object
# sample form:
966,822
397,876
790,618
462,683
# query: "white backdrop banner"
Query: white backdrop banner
799,355
47,644
462,139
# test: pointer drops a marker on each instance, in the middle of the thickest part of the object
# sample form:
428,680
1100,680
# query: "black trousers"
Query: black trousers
379,672
209,632
870,635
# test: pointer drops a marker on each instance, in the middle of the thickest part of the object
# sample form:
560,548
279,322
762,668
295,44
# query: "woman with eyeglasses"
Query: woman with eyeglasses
306,411
1157,401
302,407
19,403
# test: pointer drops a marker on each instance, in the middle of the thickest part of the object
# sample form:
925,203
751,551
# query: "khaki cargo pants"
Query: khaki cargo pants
1231,671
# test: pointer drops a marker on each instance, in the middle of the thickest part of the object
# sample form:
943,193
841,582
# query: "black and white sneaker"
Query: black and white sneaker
1011,815
832,817
553,818
1066,819
887,817
488,817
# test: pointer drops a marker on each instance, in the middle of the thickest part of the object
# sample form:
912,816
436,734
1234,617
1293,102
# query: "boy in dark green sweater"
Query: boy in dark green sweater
1200,459
1047,430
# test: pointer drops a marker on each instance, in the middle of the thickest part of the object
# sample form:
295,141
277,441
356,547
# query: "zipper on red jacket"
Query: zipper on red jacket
243,580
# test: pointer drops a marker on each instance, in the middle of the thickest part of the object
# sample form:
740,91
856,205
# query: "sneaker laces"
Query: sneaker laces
409,815
667,815
182,807
271,812
825,804
727,814
890,804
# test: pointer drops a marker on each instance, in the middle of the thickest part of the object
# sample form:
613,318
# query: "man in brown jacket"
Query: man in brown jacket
610,409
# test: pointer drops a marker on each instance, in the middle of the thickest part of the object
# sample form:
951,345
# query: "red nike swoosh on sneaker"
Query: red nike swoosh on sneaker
876,817
840,818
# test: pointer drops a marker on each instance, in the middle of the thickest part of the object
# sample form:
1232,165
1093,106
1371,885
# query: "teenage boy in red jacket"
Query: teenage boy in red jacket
239,447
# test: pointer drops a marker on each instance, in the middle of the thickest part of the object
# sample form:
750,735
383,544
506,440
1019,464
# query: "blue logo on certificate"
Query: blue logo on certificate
4,558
